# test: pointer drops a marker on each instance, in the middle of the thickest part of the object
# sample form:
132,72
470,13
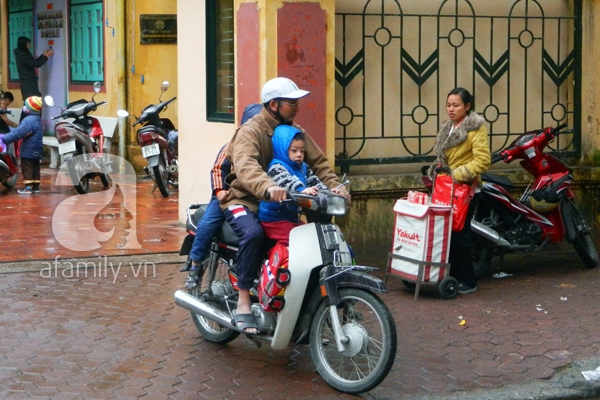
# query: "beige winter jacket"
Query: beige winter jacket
251,151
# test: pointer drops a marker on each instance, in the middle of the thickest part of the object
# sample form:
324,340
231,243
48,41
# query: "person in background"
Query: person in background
290,172
250,152
26,65
30,130
213,216
462,146
6,101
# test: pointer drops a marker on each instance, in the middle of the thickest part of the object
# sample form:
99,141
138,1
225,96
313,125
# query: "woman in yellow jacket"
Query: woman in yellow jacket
462,146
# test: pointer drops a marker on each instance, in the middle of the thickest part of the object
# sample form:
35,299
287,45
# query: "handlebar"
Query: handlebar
556,131
496,157
157,110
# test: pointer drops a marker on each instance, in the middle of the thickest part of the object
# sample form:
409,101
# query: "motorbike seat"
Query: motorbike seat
225,234
497,179
148,128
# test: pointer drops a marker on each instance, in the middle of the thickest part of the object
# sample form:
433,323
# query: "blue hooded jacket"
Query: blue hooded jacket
288,175
31,131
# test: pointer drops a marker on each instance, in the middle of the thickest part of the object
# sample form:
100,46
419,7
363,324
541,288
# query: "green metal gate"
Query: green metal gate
397,60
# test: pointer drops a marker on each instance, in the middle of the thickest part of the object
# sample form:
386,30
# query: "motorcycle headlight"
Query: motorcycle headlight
336,205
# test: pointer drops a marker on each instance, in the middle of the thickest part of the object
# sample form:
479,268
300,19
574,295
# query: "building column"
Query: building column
296,40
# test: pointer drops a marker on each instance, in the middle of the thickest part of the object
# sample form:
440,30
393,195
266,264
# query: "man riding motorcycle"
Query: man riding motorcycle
250,152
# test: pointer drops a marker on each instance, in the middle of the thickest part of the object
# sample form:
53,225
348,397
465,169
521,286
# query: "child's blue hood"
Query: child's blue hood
282,139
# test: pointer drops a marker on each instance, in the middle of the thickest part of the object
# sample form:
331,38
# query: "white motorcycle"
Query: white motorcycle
323,299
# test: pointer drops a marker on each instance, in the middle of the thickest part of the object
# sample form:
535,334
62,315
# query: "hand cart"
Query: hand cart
421,246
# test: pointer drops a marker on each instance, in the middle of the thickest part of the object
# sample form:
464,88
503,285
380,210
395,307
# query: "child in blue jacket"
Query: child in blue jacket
290,172
31,131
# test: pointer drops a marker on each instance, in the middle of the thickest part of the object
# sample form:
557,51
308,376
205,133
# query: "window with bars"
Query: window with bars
20,23
220,61
87,41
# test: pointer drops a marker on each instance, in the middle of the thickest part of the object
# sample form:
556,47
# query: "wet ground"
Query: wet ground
116,333
53,224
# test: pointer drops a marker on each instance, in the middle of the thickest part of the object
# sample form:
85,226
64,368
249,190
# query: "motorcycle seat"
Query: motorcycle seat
497,179
225,234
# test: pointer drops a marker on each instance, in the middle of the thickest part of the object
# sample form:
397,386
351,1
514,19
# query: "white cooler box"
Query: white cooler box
421,245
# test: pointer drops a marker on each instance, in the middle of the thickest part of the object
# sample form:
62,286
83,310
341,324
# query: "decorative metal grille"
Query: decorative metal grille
396,64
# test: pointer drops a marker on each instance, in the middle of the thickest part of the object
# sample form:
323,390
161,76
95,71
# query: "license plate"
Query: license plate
152,150
66,147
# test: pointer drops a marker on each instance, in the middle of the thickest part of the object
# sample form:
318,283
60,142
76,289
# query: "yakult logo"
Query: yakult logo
403,234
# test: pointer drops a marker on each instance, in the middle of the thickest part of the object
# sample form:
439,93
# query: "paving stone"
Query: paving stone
100,336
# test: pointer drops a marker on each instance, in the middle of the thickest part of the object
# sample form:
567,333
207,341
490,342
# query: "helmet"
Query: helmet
281,88
542,205
547,198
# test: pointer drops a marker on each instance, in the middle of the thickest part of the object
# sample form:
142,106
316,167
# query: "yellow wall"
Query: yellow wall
590,115
155,62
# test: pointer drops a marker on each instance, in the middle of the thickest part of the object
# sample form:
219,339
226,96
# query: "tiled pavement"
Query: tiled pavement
119,335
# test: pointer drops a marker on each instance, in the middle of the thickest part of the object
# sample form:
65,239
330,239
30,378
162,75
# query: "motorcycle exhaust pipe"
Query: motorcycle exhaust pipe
190,303
488,233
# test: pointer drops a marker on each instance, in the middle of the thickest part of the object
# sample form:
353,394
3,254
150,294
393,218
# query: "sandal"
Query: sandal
245,322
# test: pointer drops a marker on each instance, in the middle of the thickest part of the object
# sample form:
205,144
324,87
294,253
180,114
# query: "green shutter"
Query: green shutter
87,42
20,23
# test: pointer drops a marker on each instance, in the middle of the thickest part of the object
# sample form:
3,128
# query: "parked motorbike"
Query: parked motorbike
327,302
158,141
81,142
9,168
545,212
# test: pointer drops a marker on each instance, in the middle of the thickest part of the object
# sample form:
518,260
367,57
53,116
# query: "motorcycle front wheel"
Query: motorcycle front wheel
371,348
210,330
11,181
161,175
583,243
77,169
481,254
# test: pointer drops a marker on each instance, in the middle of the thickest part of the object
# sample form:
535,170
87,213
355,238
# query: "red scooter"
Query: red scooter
545,212
9,168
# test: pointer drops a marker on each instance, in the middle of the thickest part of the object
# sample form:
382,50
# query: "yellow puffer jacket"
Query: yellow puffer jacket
466,151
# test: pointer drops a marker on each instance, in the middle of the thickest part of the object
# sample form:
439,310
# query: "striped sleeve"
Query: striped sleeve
284,179
220,170
313,180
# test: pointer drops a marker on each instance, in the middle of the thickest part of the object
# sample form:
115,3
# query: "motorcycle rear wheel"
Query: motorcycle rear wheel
161,175
583,243
104,178
371,349
210,330
76,168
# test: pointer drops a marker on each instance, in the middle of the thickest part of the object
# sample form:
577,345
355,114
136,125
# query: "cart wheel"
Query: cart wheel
448,288
409,284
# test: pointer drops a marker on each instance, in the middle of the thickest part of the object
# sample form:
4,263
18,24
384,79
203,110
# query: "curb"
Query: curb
566,383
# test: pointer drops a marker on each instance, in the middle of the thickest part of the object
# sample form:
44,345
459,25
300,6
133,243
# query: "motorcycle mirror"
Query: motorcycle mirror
97,87
123,113
165,85
49,100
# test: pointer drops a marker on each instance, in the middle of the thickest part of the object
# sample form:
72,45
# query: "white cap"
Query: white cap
281,88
